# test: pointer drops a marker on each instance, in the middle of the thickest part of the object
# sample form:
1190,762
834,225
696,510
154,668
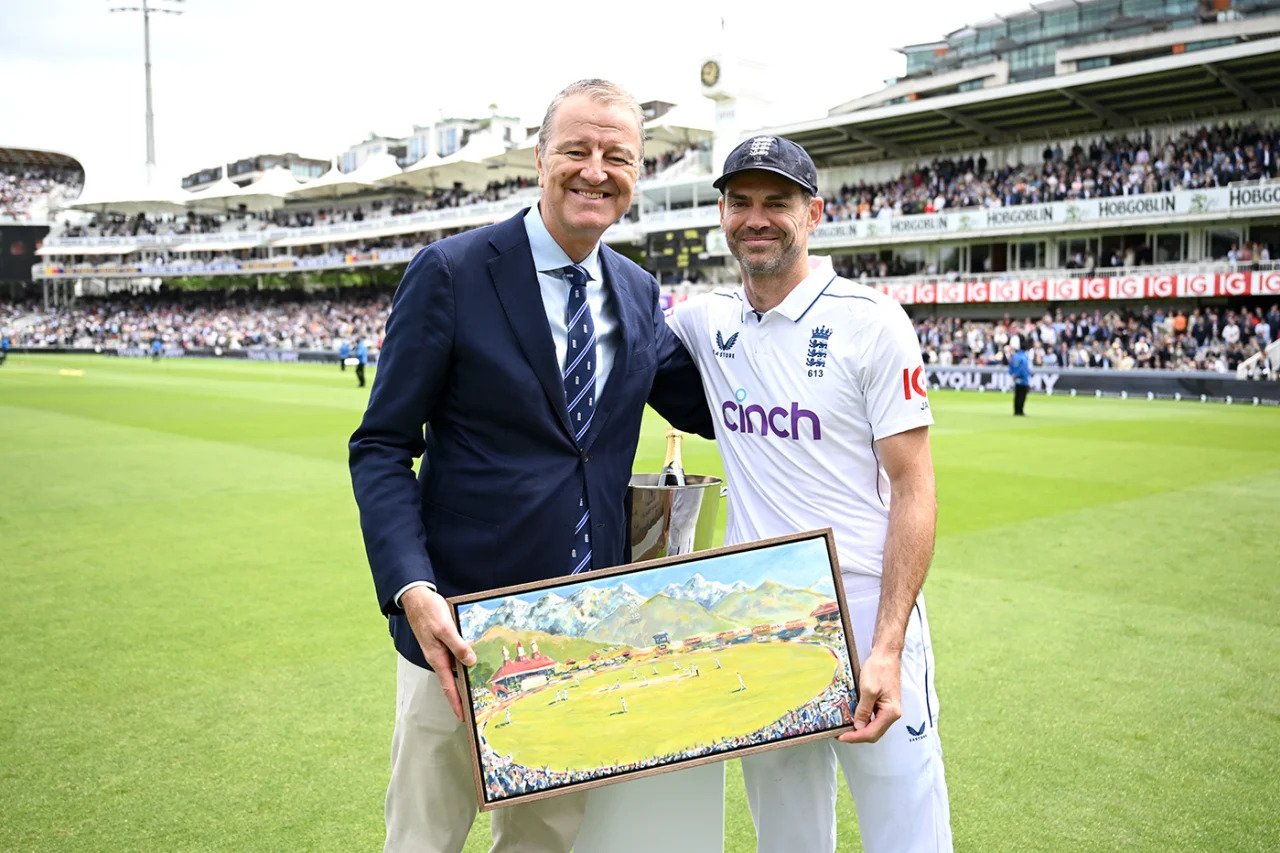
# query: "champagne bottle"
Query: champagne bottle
673,466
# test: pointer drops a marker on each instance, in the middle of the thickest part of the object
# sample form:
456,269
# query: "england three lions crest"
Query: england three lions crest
816,357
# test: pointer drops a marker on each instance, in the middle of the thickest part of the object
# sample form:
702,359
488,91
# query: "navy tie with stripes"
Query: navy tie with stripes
579,394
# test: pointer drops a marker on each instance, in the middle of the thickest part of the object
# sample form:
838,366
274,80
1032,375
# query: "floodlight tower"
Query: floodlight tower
155,7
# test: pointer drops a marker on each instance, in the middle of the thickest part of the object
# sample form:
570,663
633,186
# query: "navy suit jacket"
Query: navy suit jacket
468,379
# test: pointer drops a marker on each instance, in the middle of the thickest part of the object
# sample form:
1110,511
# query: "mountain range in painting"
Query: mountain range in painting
619,614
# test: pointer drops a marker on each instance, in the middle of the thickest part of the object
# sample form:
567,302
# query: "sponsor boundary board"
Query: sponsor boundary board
670,682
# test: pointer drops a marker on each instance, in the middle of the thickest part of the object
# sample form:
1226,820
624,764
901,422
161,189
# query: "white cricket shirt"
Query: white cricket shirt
800,394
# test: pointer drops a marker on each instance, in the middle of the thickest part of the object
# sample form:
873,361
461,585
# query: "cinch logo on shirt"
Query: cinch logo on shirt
766,421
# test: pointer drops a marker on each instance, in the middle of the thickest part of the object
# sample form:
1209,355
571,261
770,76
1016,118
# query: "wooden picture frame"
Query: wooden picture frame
603,690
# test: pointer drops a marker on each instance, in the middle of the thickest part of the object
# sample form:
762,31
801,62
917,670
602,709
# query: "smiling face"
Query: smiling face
767,220
587,170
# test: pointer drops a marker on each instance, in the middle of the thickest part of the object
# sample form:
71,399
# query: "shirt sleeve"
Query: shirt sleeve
676,393
680,320
893,377
410,586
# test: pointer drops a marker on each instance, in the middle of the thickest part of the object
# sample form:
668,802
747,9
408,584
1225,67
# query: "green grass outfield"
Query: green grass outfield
666,713
192,658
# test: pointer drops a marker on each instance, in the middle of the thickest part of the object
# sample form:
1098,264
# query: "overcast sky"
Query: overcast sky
233,78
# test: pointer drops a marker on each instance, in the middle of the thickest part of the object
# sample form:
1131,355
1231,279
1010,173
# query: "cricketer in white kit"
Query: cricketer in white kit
823,422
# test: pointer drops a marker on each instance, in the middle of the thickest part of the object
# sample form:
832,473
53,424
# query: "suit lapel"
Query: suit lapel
620,293
516,282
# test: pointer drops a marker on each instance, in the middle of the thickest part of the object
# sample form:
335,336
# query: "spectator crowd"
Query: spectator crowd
1109,166
238,320
26,189
1211,339
1210,156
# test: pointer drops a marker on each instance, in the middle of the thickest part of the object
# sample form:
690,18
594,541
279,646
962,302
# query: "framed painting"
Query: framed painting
610,675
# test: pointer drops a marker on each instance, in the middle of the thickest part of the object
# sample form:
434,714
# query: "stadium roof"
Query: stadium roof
1186,86
678,127
11,156
128,199
335,183
215,197
268,191
469,165
675,129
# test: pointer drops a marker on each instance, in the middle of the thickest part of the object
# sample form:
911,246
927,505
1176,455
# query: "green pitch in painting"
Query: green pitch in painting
588,680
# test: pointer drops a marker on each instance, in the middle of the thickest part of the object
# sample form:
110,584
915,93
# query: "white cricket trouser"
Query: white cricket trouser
897,783
431,800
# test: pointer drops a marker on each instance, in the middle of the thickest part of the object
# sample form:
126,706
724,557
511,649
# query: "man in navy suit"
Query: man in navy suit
515,484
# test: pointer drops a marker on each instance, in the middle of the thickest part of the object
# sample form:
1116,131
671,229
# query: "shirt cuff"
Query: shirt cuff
428,584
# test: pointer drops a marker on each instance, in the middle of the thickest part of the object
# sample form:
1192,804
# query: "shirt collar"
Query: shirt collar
804,294
548,257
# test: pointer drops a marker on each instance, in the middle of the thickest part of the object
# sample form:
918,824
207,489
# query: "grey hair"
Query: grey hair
600,91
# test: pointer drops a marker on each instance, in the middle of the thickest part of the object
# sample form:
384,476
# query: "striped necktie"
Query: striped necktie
579,394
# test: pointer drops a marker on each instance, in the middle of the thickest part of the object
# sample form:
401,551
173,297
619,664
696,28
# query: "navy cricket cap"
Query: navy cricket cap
771,154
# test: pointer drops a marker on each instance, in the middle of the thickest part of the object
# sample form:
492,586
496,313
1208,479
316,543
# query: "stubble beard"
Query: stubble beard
787,253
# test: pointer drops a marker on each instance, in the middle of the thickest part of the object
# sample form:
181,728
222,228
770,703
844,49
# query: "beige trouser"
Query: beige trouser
431,800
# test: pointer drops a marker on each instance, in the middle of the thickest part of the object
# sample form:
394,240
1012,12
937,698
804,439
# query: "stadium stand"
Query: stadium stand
1102,167
1156,337
201,320
1146,337
34,182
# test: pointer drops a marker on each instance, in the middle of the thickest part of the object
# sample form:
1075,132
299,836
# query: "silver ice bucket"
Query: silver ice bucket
671,520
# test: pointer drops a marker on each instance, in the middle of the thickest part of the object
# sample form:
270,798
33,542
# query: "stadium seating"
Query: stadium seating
27,192
1210,339
1108,166
287,321
329,233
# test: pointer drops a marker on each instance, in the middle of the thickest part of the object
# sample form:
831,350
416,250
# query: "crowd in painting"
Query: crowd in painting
828,710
